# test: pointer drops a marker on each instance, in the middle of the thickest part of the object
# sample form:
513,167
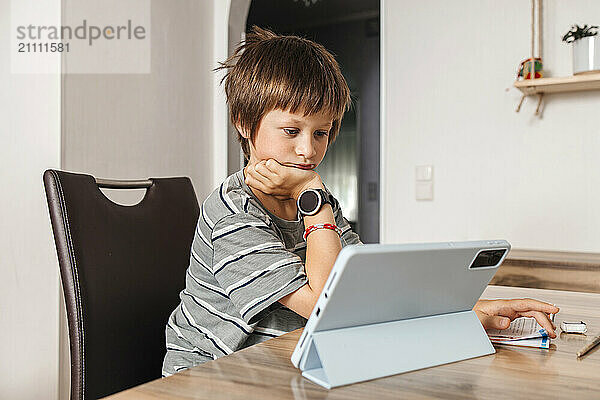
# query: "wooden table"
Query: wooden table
264,371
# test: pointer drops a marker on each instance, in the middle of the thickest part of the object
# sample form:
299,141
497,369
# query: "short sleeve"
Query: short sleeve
252,265
348,235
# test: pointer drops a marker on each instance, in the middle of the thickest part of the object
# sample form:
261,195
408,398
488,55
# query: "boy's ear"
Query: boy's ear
242,132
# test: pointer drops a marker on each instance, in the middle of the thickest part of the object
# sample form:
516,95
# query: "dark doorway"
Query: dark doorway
350,30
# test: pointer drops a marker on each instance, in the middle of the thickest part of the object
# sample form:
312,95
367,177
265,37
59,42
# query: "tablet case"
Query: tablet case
348,355
343,348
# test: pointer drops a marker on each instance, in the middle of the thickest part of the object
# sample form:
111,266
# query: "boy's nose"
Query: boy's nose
305,148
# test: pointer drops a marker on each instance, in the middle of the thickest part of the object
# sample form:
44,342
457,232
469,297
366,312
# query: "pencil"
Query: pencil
589,346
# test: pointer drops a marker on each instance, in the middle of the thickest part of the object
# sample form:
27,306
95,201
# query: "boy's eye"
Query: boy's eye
290,131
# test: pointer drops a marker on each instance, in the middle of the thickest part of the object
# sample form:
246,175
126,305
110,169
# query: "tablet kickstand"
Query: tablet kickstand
343,356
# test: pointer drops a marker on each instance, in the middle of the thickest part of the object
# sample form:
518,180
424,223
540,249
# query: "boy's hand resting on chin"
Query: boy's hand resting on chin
497,314
281,181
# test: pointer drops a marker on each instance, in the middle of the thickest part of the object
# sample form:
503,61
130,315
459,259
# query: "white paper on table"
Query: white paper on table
539,342
519,329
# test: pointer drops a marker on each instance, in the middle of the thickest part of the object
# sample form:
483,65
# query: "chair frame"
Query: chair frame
69,268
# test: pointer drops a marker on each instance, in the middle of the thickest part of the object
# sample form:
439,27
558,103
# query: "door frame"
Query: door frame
230,24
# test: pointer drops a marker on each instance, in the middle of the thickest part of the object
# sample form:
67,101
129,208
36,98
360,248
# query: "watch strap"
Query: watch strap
325,198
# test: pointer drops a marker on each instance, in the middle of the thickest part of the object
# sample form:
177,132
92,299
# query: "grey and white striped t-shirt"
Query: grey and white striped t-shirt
243,260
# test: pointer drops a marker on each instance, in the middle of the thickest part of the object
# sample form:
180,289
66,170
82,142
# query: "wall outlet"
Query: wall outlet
424,190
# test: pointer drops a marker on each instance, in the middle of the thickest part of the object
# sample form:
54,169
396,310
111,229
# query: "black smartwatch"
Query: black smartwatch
310,201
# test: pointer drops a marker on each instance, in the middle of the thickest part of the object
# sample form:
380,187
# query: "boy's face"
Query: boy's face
292,139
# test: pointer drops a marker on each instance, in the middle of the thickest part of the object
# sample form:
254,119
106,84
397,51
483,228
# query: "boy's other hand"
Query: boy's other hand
497,314
281,181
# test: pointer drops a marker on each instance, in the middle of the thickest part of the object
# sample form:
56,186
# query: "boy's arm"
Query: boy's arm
323,245
322,248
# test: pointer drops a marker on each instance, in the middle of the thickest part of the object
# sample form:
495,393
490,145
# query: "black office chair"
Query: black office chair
122,268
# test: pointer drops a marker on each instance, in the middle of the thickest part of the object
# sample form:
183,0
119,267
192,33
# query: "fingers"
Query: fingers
538,310
260,177
269,167
256,180
510,308
497,307
272,176
496,313
496,322
281,175
543,320
493,321
275,179
255,184
252,172
273,165
533,305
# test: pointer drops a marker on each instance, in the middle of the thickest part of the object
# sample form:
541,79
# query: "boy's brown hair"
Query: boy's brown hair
269,71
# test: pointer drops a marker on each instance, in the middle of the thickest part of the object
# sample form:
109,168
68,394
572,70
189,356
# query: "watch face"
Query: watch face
309,200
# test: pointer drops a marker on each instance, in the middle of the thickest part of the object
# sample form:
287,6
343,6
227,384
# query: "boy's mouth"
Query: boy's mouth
305,166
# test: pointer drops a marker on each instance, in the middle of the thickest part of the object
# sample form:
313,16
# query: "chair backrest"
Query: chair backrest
122,268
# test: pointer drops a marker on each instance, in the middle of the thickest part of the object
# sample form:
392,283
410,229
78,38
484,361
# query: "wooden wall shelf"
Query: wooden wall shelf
575,83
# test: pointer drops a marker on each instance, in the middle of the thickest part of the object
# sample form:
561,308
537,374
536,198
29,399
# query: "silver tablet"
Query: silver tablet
377,283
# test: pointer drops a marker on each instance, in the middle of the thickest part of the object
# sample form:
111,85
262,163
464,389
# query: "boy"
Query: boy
267,238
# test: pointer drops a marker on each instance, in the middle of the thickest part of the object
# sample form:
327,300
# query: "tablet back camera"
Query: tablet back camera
488,258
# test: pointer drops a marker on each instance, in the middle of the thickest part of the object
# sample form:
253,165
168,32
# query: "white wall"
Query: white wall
120,126
148,125
497,174
29,144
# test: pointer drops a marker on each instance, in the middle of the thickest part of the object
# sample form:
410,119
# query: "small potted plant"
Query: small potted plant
586,48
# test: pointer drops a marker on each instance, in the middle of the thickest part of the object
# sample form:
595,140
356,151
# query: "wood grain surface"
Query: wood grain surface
265,372
557,270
